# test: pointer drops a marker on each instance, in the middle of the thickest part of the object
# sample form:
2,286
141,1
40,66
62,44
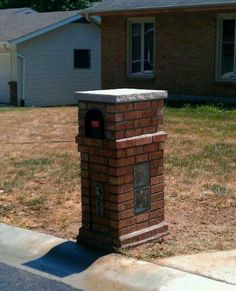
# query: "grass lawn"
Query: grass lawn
40,176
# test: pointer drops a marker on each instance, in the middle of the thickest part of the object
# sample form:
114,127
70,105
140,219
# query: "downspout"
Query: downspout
22,102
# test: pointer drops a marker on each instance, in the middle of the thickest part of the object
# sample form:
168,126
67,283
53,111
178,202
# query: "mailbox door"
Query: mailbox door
94,124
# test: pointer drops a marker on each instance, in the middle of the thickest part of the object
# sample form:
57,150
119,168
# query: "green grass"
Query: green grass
13,108
59,168
207,112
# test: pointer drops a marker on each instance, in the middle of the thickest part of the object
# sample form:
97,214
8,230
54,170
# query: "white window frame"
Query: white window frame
141,21
219,41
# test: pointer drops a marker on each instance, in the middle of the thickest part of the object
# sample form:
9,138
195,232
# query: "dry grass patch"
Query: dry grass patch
40,176
40,170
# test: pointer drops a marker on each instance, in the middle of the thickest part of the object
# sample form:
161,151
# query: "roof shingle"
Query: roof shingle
115,6
14,26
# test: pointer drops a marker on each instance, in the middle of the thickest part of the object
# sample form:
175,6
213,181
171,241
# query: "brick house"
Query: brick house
186,47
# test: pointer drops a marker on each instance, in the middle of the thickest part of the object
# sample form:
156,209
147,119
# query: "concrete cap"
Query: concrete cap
121,95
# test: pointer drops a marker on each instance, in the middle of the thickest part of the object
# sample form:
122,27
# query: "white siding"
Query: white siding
50,77
5,77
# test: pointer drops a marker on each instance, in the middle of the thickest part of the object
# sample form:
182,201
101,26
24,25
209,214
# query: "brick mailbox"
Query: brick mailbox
121,140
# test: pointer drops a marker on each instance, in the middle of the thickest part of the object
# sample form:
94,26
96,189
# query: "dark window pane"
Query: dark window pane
81,59
148,47
228,44
136,48
228,30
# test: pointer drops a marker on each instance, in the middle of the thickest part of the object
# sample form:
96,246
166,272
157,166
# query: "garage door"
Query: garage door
5,77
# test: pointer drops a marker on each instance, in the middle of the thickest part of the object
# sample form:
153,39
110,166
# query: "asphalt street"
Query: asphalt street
13,279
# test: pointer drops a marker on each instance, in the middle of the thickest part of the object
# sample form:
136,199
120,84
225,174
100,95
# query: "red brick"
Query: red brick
147,113
142,217
157,180
98,177
121,154
150,148
143,140
133,132
159,138
157,163
145,235
84,174
102,228
157,188
157,196
157,213
124,197
127,230
149,129
85,182
126,214
123,125
121,171
155,221
141,158
125,143
126,205
158,204
84,157
125,162
134,151
156,155
84,165
124,107
98,160
85,208
157,171
158,103
125,190
120,180
111,126
105,153
132,115
99,168
142,225
114,117
142,105
126,222
143,122
119,134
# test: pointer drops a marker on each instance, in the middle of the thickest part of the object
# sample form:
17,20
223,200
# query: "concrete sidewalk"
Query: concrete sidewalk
85,269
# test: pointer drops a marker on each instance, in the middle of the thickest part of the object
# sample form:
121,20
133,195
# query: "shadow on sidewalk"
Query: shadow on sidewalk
66,259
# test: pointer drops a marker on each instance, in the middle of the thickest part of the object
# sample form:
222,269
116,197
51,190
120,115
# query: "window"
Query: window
82,59
227,51
141,47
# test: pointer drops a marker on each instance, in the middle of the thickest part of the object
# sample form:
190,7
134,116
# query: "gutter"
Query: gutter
93,19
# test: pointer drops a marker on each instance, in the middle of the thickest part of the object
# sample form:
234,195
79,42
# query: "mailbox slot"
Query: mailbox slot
94,124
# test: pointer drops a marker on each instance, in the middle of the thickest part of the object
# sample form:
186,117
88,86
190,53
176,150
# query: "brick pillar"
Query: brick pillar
122,177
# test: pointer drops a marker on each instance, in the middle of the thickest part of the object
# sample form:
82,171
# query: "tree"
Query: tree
47,5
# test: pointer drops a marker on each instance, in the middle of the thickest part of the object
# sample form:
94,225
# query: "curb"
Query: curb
86,269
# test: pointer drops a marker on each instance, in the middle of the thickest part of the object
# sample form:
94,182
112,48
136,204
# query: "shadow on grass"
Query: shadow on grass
66,259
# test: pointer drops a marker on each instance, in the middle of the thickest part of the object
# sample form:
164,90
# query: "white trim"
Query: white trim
46,29
142,21
219,41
